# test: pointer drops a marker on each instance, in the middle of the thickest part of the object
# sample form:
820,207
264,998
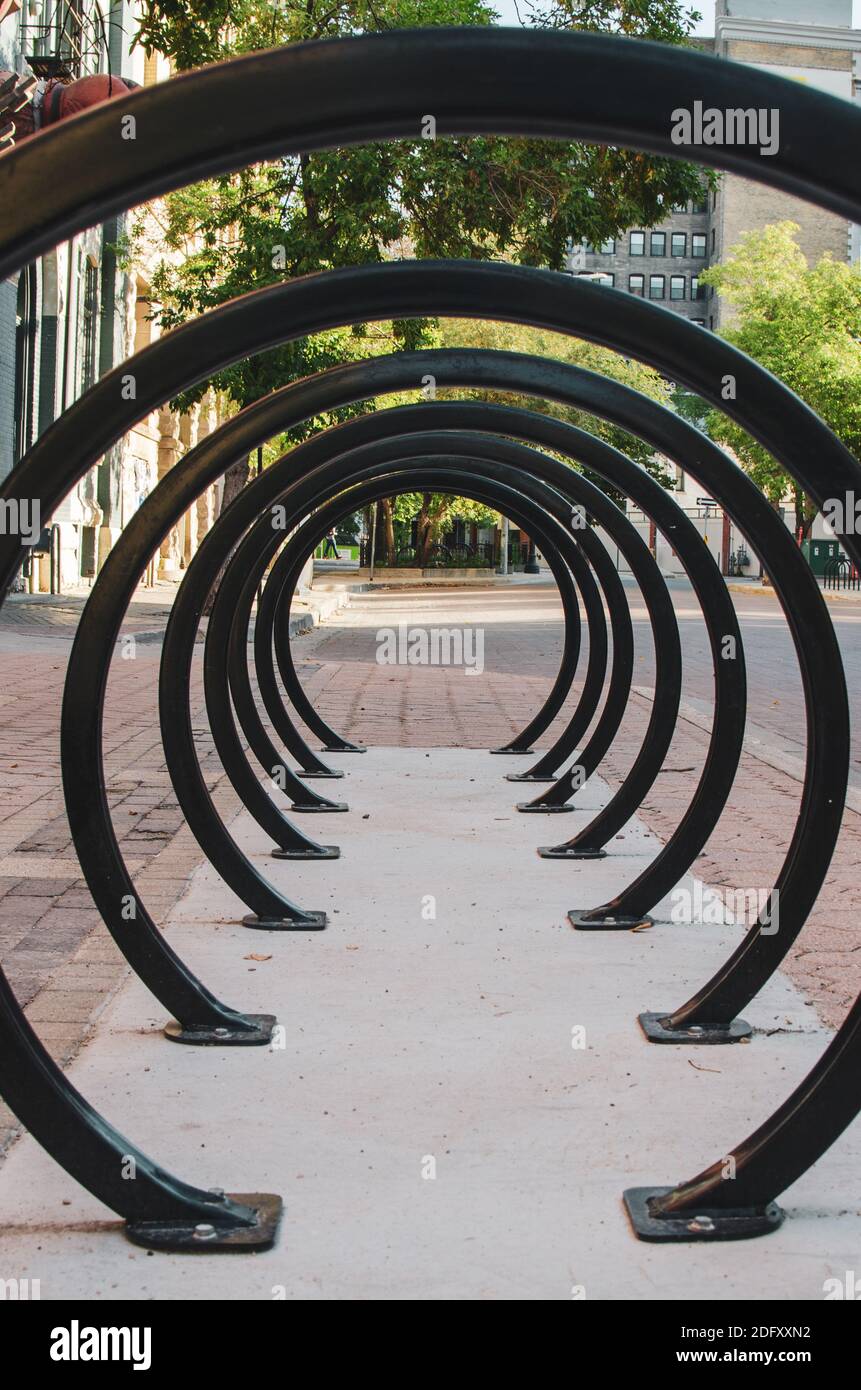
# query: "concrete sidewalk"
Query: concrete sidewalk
429,1030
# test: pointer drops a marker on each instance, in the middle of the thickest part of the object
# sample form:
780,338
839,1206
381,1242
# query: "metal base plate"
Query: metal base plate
527,777
195,1239
257,1034
312,921
530,806
329,772
705,1225
343,748
312,808
318,852
566,852
710,1034
580,919
511,752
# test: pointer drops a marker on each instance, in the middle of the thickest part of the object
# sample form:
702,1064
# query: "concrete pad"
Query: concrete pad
419,1043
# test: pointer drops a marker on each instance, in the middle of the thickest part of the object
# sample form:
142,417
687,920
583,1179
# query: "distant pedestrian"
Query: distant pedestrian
330,548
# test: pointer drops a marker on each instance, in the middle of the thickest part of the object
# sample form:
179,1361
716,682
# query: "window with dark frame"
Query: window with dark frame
638,244
657,244
679,244
698,245
677,287
636,284
656,287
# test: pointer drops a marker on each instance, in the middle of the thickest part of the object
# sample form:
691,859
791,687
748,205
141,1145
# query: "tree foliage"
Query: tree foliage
803,323
519,200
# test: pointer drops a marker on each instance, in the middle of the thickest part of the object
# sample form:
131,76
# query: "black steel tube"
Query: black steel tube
359,90
275,612
176,659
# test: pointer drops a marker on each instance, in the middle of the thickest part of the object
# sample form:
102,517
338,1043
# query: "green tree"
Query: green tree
515,199
803,323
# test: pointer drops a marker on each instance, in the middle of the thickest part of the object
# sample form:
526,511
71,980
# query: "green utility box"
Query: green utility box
818,553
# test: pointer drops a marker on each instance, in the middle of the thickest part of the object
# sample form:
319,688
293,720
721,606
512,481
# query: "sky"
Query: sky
508,13
507,10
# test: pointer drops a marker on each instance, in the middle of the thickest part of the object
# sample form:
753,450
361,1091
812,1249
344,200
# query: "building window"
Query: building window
698,244
679,207
679,244
607,278
658,244
638,243
713,240
636,284
698,291
656,286
701,204
714,200
677,287
608,247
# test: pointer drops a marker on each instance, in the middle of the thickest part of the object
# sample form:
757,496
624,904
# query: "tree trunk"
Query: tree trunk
234,481
424,533
389,524
805,514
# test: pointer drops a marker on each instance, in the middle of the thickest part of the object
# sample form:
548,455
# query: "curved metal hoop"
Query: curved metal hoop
359,91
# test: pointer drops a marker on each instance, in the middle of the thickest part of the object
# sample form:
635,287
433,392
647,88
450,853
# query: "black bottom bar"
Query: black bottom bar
703,1033
166,1235
569,852
581,920
256,1036
312,921
705,1225
319,852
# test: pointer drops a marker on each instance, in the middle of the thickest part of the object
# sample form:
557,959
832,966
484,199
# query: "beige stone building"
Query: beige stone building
808,41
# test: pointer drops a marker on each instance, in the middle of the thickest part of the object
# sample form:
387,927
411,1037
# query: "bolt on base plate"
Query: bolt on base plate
582,920
653,1025
257,1034
570,852
528,777
692,1225
312,921
318,852
312,808
543,810
203,1238
304,773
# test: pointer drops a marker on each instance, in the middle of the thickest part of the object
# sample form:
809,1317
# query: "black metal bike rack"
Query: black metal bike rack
482,81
